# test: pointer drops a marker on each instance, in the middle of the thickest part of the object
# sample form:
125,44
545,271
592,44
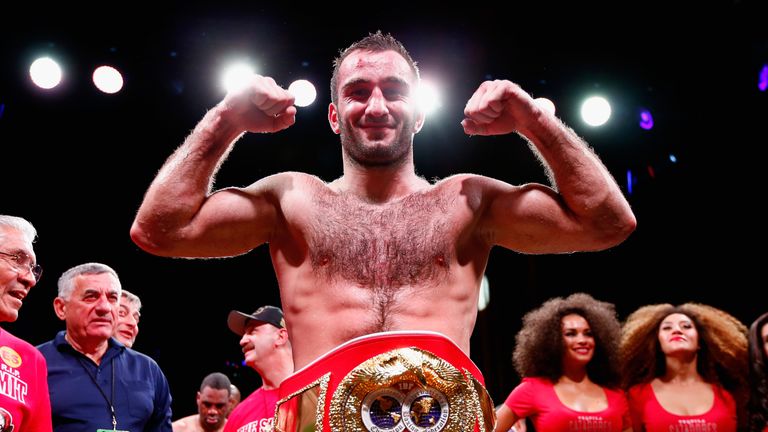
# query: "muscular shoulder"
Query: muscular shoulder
476,188
288,182
185,424
474,183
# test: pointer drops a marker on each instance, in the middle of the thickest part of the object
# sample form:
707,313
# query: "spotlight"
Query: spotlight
595,111
427,97
646,119
484,296
107,79
237,76
45,73
303,91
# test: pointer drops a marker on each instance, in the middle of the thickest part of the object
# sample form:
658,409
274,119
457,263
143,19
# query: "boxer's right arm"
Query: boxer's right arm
180,216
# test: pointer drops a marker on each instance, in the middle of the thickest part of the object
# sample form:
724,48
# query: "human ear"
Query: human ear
333,118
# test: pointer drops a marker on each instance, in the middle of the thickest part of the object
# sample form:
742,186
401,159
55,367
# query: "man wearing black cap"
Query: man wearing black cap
267,350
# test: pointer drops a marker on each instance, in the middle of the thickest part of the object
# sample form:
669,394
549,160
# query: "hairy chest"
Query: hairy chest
409,242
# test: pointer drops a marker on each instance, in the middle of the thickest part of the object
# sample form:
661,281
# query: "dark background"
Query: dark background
76,162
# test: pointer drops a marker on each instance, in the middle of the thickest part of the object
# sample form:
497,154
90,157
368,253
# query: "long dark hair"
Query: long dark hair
721,358
758,376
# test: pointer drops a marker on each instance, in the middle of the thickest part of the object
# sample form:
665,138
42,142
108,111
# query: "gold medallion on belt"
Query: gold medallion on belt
409,389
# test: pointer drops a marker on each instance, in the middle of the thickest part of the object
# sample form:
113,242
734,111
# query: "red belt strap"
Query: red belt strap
387,382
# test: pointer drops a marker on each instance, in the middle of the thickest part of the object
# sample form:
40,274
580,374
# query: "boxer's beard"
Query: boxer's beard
376,153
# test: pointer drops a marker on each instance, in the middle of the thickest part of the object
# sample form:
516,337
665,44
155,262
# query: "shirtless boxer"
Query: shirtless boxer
380,248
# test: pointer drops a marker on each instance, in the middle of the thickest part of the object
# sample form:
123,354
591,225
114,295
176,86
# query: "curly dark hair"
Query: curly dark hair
539,344
758,376
374,42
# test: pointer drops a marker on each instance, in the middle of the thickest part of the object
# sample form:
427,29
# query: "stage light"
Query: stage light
427,97
762,80
595,111
646,119
45,73
484,296
673,158
107,79
237,76
303,91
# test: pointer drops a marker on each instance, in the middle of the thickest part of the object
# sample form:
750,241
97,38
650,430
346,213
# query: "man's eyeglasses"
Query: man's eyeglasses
22,262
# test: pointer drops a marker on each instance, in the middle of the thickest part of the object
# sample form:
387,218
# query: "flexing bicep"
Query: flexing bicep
228,222
533,218
232,222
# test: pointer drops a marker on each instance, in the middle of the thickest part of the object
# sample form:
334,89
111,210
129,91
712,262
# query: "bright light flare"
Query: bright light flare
107,79
484,295
595,111
427,96
303,91
45,73
237,77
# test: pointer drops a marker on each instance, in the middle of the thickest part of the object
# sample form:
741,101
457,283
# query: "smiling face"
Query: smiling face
376,113
578,341
127,322
678,335
258,342
15,278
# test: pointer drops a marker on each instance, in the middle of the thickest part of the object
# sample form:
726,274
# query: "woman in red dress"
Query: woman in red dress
685,368
567,354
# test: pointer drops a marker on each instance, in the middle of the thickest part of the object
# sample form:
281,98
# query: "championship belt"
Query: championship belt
387,382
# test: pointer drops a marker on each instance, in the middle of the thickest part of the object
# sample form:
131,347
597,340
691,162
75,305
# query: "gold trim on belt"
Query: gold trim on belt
405,389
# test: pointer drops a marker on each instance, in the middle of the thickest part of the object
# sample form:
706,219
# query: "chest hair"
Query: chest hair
382,247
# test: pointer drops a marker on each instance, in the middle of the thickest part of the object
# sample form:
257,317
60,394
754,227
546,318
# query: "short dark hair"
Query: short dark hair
374,42
217,381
